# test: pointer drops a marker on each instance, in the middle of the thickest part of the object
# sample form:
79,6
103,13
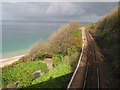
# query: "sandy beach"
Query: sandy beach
9,61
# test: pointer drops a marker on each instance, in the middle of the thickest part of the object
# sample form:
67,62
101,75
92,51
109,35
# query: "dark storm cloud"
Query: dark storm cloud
56,11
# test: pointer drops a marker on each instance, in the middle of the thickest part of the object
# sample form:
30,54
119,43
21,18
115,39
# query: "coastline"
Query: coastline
8,61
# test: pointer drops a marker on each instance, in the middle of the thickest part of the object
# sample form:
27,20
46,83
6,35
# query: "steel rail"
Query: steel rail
98,80
89,40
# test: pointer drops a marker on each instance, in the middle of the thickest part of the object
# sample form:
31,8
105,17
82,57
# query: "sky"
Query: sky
56,11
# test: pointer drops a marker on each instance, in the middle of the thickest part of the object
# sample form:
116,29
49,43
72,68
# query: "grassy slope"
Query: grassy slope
49,80
106,32
22,73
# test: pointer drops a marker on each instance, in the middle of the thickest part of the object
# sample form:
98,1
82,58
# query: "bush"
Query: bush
60,42
38,49
71,60
57,60
69,51
75,41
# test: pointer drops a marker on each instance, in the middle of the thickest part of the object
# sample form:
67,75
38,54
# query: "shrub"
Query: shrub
71,60
69,51
75,41
57,60
38,49
59,41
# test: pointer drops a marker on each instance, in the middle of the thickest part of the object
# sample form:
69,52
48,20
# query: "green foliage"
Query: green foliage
41,57
57,60
24,76
22,72
69,51
51,76
76,33
71,60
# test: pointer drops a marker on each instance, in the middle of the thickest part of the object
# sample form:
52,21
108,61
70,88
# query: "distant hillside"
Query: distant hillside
106,32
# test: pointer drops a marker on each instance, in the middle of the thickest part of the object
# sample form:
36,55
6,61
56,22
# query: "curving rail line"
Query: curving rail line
91,77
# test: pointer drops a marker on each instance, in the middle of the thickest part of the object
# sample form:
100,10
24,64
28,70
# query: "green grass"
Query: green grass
22,73
50,79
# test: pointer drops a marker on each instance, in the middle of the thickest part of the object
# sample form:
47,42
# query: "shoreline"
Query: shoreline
8,61
5,59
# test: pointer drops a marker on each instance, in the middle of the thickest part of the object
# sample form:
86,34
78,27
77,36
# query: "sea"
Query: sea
19,36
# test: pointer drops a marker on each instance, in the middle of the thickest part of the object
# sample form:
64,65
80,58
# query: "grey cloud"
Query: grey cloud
55,11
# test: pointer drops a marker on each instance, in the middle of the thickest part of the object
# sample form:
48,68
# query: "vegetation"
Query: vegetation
66,37
64,46
106,33
23,73
57,60
57,72
71,60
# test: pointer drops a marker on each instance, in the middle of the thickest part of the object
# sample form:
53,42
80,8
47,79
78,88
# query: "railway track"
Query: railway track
91,79
88,76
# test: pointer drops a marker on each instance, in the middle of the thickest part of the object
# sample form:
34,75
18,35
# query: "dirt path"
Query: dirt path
49,63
